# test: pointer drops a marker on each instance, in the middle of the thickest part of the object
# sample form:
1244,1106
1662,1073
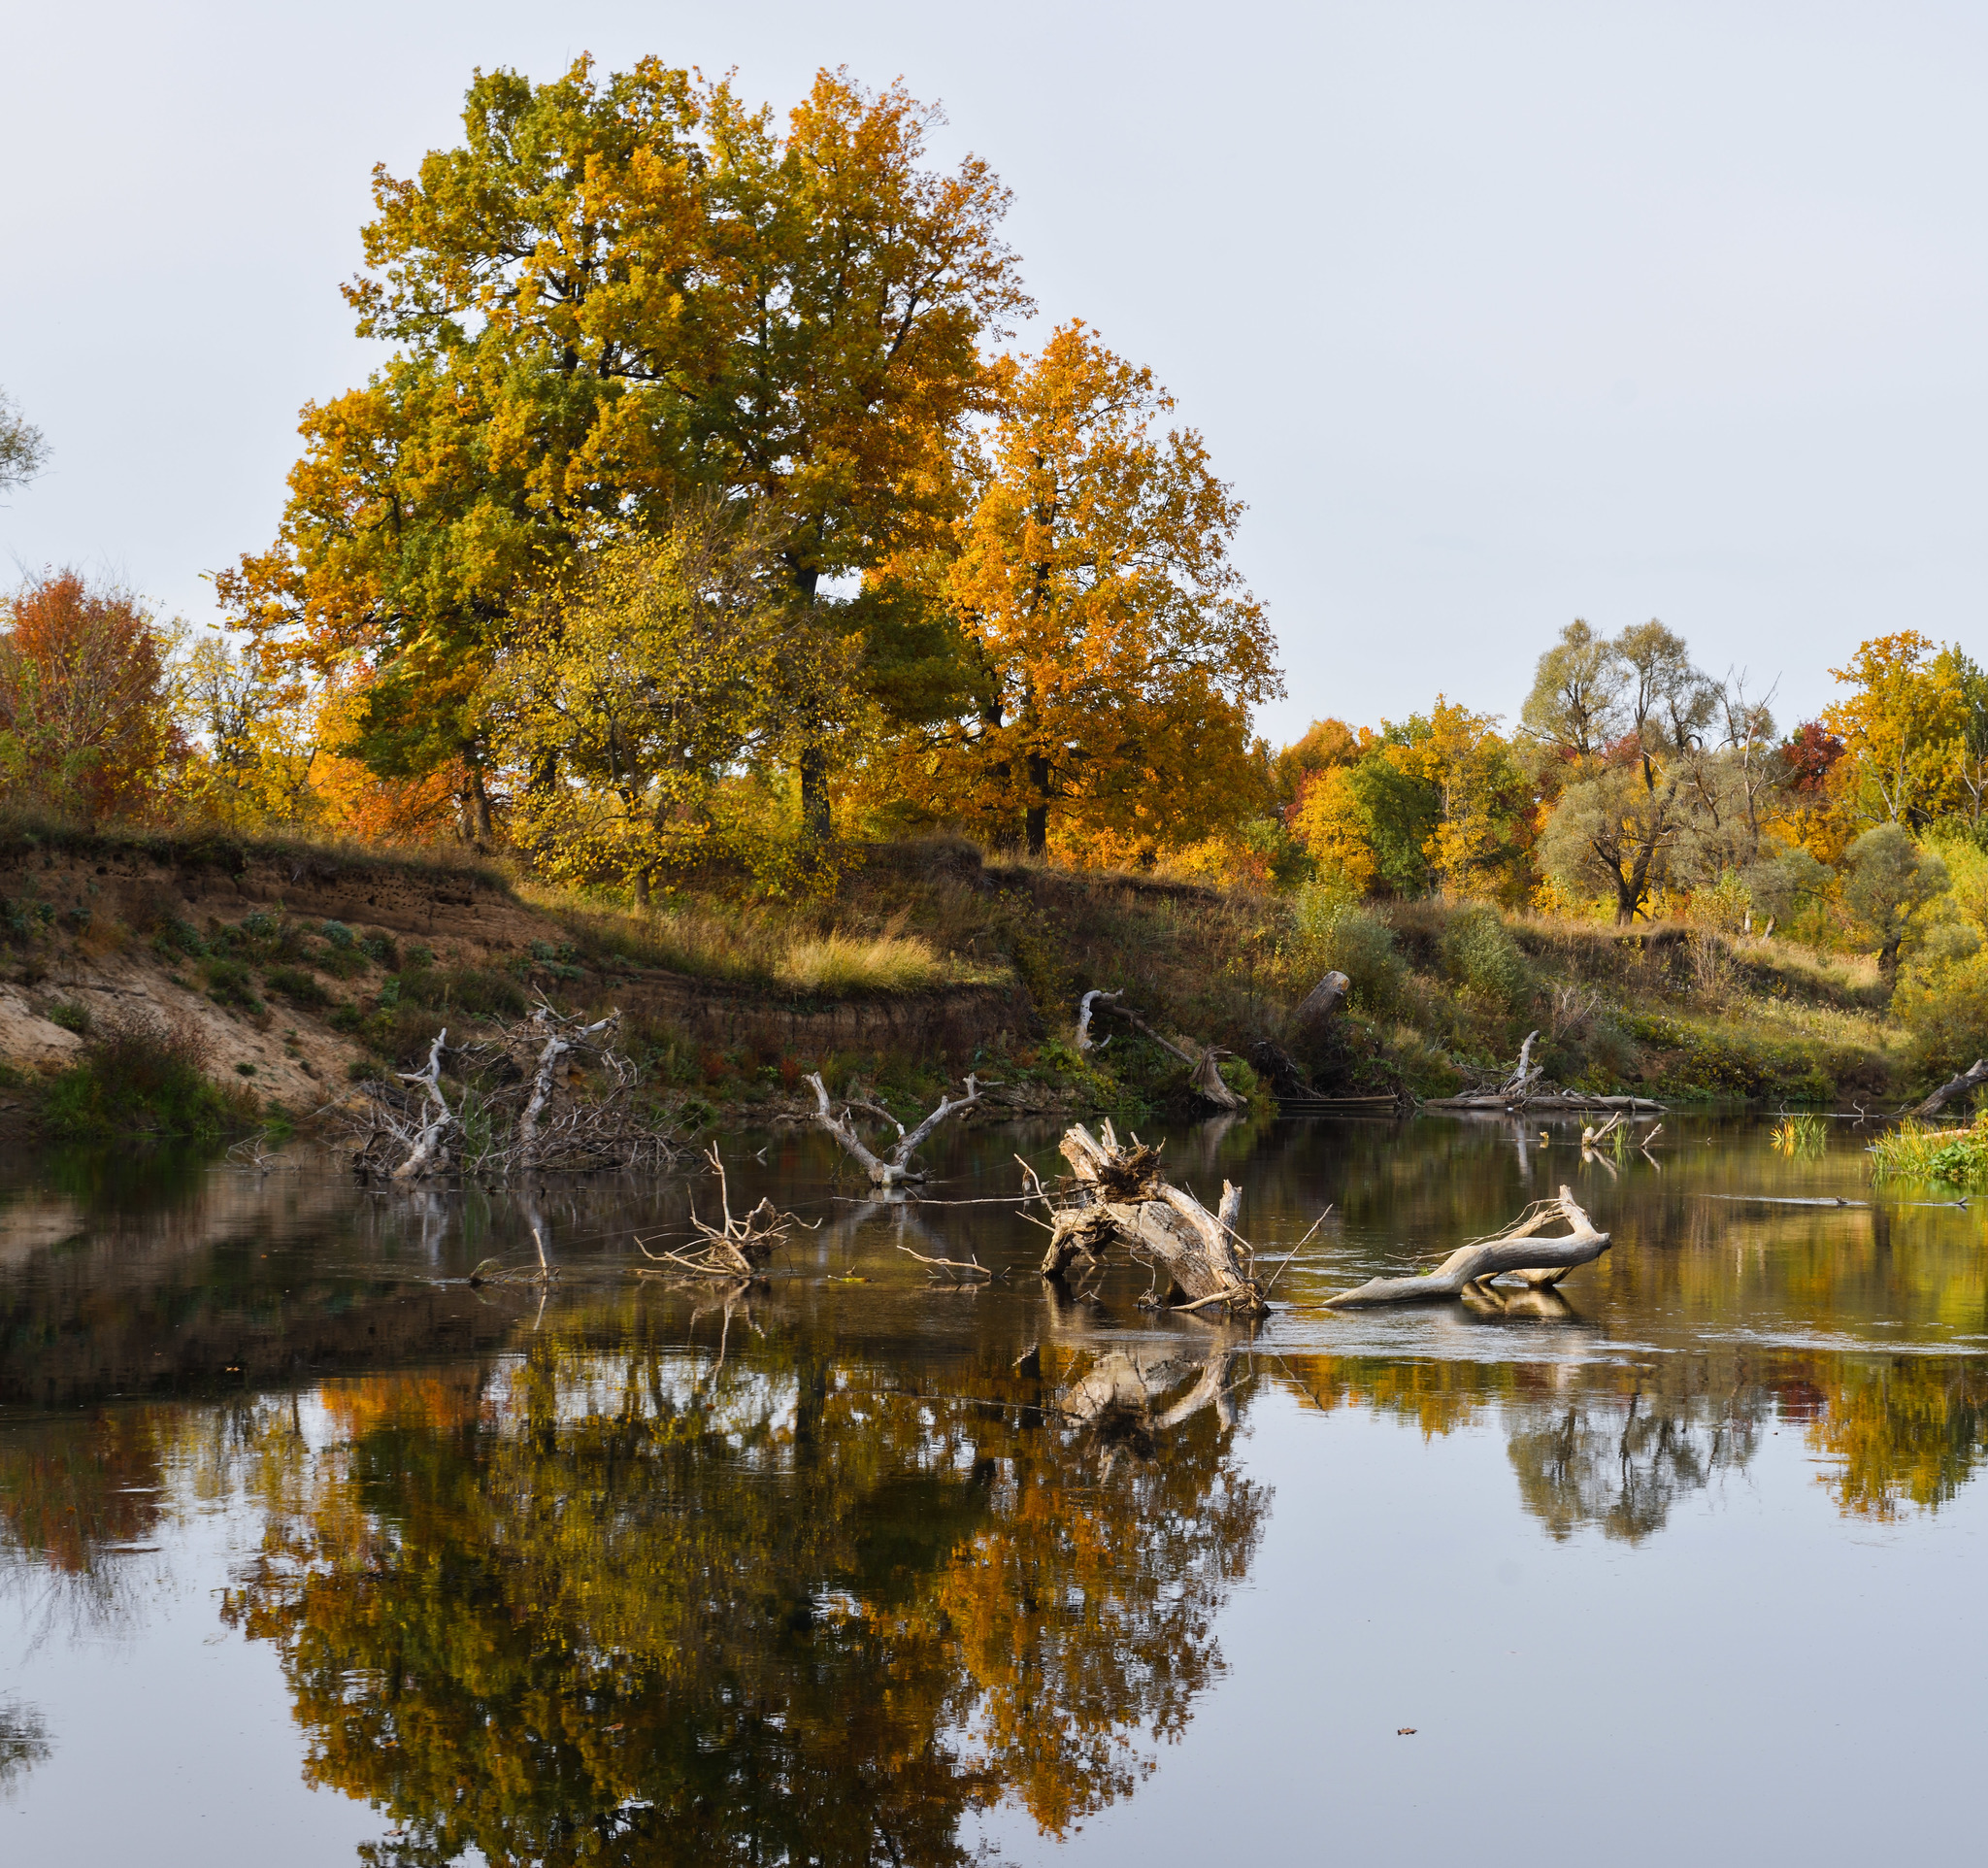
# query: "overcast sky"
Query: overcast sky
1495,314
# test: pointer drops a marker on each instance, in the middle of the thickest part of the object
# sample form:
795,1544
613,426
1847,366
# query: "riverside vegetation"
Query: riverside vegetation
777,629
134,984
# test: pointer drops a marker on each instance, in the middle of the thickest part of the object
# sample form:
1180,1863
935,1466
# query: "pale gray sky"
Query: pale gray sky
1496,314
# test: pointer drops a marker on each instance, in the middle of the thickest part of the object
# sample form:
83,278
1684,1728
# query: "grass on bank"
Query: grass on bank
137,1075
1958,1156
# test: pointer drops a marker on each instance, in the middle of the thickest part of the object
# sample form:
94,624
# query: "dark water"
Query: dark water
310,1553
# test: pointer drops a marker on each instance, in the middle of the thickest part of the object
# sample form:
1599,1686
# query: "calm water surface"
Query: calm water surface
310,1552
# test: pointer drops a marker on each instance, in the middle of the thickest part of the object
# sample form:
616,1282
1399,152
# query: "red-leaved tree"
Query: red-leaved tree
87,720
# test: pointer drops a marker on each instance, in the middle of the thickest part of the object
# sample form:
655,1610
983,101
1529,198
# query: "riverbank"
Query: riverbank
290,972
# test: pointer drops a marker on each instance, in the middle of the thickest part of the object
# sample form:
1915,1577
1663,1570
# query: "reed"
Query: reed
1956,1155
1801,1135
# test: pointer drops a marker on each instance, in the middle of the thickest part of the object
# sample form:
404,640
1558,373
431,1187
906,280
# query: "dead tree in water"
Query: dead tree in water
734,1248
1973,1078
520,1109
1122,1194
894,1168
1519,1253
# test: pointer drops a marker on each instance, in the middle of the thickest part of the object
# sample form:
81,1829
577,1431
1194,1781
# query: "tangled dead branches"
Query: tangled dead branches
735,1248
547,1095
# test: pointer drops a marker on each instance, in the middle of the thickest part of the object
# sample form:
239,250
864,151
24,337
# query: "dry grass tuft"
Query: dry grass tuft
839,962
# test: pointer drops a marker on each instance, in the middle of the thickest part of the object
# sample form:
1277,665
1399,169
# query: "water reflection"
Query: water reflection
784,1610
825,1572
23,1743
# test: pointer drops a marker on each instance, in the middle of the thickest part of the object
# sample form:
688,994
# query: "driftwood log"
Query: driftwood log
1973,1078
893,1167
1519,1253
1123,1195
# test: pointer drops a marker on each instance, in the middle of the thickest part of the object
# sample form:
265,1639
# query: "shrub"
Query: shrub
1336,936
295,983
338,934
471,990
851,963
138,1075
229,983
1944,1003
1481,955
71,1017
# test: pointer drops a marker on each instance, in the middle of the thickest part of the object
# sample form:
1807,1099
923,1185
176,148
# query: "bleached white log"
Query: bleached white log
1518,1252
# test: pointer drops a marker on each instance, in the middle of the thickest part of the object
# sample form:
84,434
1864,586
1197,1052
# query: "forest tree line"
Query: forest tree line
704,522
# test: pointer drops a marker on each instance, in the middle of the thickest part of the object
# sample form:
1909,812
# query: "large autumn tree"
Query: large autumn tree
613,294
1114,652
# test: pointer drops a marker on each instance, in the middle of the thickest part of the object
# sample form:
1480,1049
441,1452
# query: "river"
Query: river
311,1552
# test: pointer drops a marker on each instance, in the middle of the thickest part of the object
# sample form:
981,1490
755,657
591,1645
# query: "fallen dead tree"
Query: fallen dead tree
1973,1078
1525,1088
736,1247
547,1095
1121,1194
1519,1253
1205,1074
894,1167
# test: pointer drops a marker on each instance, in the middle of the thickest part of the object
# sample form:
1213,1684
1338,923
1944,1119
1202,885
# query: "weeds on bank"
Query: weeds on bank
1958,1156
135,1075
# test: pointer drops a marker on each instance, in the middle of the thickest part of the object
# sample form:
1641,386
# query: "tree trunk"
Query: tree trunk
1039,812
479,803
814,813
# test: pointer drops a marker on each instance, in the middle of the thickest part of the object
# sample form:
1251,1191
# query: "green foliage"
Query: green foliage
1401,813
297,985
1942,1001
1956,1155
71,1015
138,1076
1481,955
1337,936
1889,884
338,934
229,983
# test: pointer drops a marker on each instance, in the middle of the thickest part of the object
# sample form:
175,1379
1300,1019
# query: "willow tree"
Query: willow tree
1115,651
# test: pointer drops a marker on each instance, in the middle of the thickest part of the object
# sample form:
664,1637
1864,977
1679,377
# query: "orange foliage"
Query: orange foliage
86,721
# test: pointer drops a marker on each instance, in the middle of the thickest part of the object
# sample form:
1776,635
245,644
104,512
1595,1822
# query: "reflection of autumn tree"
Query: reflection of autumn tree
1592,1447
1911,1430
1081,1607
1587,1449
782,1616
71,1489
